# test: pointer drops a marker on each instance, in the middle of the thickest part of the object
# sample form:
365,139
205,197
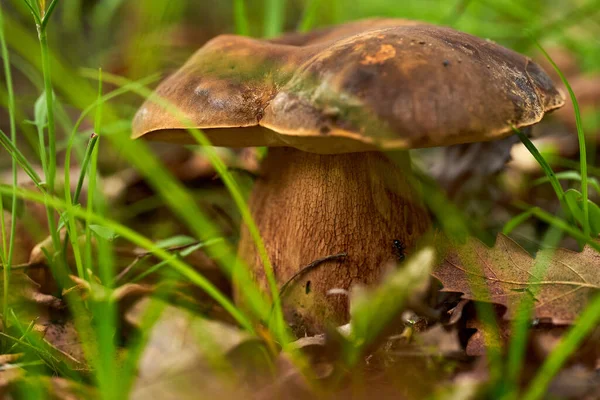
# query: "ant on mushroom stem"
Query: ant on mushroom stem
399,249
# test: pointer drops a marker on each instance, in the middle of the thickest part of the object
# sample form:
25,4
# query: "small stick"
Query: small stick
25,266
310,267
139,256
143,253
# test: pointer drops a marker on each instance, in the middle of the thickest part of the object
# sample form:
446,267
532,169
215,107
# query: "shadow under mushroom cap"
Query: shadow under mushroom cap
389,84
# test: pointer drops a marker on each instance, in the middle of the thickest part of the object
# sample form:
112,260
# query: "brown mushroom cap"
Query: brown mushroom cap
388,84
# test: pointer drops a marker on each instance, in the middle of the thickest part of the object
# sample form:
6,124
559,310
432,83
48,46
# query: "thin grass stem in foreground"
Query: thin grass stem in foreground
140,241
8,251
240,18
582,145
587,321
274,17
233,188
309,17
524,311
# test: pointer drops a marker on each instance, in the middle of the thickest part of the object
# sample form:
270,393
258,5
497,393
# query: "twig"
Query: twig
146,253
310,267
25,266
139,256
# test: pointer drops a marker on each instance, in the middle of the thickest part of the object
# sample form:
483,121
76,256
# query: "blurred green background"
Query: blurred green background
139,38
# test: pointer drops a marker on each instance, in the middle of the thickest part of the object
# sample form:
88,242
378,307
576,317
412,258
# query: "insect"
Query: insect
399,249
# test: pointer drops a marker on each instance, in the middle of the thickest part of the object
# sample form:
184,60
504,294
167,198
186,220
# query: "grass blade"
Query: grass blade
20,158
515,221
586,322
570,176
521,323
34,12
274,17
231,185
565,226
311,11
138,240
240,17
581,138
48,13
8,252
550,175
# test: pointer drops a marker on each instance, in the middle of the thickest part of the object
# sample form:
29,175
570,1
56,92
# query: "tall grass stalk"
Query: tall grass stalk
524,312
520,324
92,180
240,18
274,17
8,251
42,17
51,129
587,321
455,226
565,226
582,144
104,309
231,184
311,10
546,168
27,167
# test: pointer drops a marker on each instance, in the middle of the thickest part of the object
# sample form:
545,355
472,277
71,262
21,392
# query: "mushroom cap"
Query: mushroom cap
372,84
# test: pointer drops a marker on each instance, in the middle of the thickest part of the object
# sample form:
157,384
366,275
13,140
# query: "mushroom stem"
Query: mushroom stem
310,206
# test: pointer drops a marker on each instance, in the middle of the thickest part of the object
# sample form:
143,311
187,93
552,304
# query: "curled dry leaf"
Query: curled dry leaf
38,256
25,290
506,273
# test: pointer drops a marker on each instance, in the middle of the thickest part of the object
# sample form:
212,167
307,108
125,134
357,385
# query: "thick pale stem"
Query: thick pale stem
310,206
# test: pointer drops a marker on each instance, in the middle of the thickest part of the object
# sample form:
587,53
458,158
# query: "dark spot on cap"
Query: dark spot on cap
446,63
307,289
324,130
422,42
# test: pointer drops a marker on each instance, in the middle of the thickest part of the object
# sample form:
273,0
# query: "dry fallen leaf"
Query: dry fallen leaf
576,382
188,355
505,272
7,377
64,339
23,291
483,338
9,358
440,340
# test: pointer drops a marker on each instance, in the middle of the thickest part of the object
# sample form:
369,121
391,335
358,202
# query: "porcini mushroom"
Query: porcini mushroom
326,103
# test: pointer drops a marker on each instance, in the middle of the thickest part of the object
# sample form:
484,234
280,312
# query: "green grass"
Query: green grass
7,249
274,17
65,86
520,325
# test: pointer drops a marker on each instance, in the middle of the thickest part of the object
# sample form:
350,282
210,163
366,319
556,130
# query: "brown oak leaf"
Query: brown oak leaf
560,282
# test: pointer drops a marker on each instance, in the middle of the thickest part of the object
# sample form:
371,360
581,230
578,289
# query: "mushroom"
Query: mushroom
333,209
